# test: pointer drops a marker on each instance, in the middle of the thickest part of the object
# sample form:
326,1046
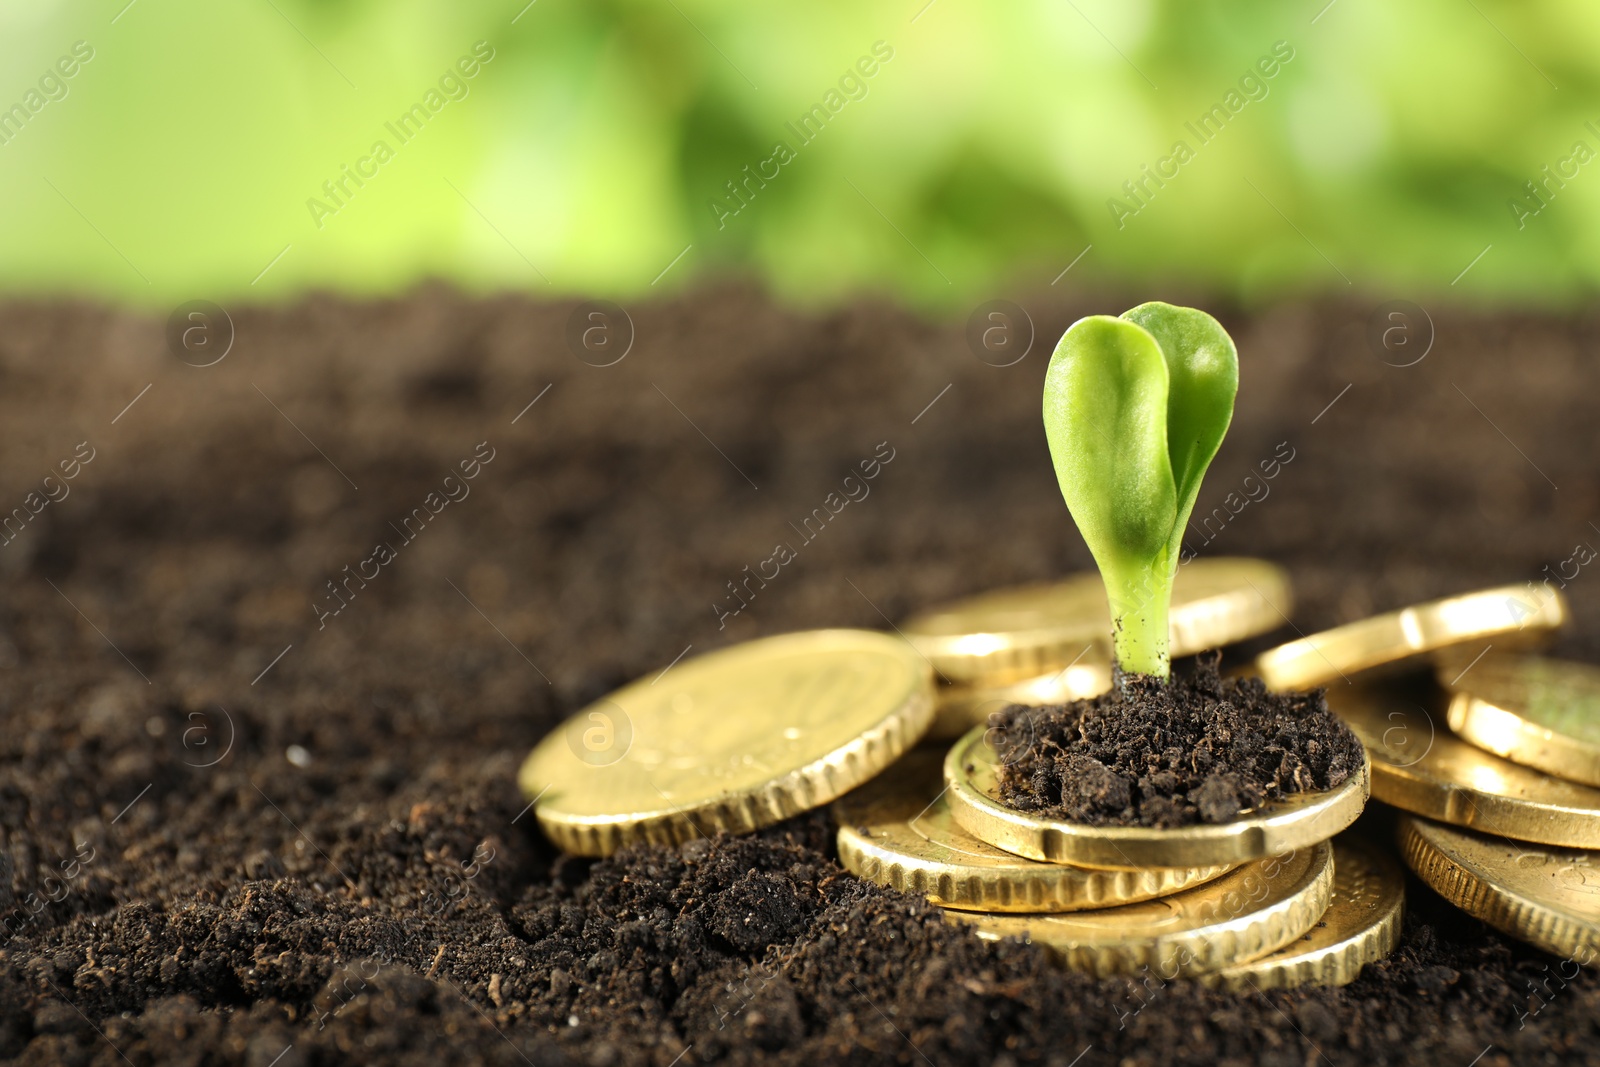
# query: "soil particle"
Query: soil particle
1198,748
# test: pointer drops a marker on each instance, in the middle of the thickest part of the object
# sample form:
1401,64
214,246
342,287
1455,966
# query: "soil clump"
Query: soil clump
1198,748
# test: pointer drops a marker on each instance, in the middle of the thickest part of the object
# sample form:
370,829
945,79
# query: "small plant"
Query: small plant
1135,407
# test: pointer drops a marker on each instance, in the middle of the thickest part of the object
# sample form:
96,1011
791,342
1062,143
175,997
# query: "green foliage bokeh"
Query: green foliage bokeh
598,143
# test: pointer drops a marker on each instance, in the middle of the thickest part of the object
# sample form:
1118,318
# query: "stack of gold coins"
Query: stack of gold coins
1495,762
1315,912
738,739
1267,900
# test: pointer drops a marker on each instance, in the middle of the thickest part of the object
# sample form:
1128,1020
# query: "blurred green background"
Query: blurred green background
590,150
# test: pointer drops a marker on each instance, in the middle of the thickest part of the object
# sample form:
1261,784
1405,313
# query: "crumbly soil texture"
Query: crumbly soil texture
257,778
1196,748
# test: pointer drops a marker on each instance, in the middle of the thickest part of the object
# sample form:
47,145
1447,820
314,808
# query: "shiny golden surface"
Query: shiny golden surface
897,830
1245,914
732,740
1022,632
1503,615
1418,765
1548,897
961,707
1279,828
1544,713
1362,924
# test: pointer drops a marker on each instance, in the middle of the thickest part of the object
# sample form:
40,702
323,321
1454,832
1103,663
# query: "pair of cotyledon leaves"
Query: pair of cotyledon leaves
1135,407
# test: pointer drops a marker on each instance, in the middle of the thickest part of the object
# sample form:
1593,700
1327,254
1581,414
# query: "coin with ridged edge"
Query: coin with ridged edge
1279,827
1542,713
1504,615
729,741
897,830
961,707
1247,913
1420,767
1548,897
1361,925
1021,632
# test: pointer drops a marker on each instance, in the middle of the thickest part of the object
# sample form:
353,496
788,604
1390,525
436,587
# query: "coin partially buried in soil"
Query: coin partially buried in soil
1549,897
897,830
730,741
1543,713
1420,767
1505,615
1362,924
1247,913
1011,635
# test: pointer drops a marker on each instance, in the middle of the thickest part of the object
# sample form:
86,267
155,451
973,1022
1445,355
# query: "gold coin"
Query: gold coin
1417,765
1278,828
730,741
1248,912
1549,897
961,707
1503,615
897,830
1544,713
1362,924
1009,635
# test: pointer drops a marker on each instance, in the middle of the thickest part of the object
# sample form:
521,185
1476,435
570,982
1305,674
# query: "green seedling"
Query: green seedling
1135,408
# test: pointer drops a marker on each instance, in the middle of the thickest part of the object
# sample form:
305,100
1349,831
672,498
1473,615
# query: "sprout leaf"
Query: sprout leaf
1202,377
1134,409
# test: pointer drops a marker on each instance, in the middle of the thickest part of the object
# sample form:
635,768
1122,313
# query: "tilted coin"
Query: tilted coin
961,707
1549,897
1362,924
1021,632
1503,615
1419,766
1297,821
1544,713
732,740
897,830
1247,913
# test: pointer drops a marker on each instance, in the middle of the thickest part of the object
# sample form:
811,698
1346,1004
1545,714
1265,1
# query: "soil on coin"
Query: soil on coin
1198,748
260,809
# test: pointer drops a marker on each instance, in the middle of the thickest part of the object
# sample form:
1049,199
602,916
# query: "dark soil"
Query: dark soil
1198,748
236,834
